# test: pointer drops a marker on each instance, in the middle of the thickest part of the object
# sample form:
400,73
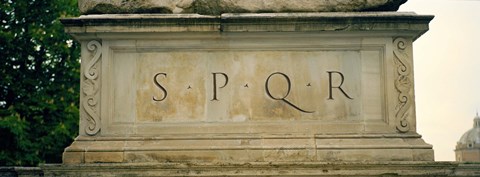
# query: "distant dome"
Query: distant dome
472,136
468,147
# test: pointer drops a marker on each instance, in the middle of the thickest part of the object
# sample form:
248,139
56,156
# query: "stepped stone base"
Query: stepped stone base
267,169
251,148
250,169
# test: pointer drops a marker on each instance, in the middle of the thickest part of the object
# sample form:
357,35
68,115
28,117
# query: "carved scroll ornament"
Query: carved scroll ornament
403,85
91,89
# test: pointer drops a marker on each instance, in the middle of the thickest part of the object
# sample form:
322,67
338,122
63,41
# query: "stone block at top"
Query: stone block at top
216,7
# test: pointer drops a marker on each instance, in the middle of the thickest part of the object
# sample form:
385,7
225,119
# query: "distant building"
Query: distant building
468,147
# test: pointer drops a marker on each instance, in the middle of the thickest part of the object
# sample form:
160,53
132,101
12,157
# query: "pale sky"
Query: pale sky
447,70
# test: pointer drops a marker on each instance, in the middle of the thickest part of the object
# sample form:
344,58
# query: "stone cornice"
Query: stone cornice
405,23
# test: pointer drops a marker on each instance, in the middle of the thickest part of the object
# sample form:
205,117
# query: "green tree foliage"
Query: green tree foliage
39,81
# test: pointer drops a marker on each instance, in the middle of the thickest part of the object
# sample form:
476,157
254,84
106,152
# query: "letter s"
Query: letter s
155,81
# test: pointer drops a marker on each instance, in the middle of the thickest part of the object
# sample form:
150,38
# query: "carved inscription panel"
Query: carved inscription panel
246,86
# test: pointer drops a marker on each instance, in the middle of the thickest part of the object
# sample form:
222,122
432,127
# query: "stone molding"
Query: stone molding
404,23
423,169
403,84
249,148
91,89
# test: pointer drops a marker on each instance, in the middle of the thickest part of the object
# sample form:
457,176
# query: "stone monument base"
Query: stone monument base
267,169
250,87
249,148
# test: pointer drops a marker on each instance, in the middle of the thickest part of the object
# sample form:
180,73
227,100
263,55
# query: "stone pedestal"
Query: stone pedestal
247,88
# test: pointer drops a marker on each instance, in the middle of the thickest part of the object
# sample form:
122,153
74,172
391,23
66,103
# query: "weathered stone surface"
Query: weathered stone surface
102,157
216,7
73,157
253,148
417,169
21,172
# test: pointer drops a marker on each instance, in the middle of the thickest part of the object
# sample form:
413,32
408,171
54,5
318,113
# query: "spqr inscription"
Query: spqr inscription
221,80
